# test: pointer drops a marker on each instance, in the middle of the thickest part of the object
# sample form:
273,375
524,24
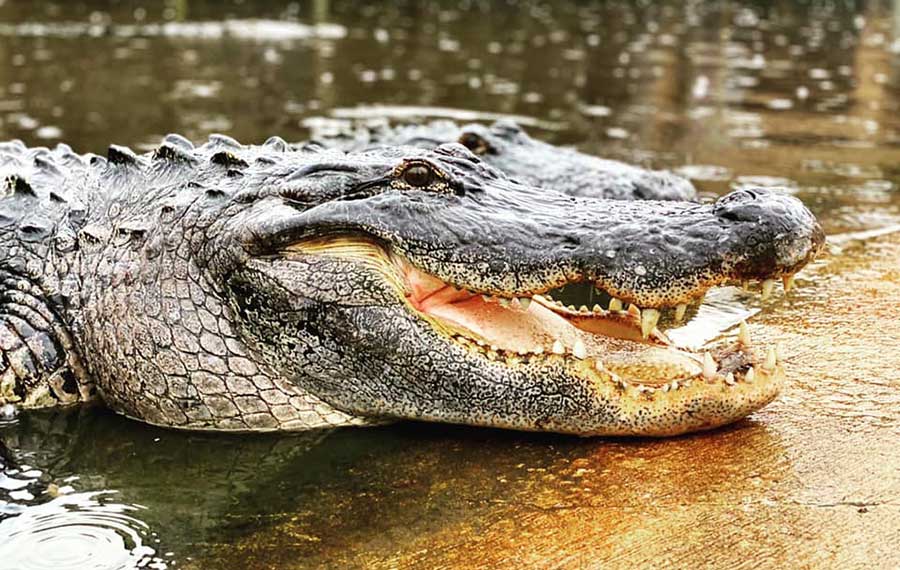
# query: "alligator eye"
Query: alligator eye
418,176
474,143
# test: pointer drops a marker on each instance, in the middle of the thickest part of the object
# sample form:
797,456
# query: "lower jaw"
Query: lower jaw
630,386
513,335
598,403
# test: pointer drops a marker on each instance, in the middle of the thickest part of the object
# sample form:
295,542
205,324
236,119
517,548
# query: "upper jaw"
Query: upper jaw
651,254
501,238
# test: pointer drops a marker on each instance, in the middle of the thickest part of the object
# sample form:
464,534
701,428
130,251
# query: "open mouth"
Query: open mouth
614,345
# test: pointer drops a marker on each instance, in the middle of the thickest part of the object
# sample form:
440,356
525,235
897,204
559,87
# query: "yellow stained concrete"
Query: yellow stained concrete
811,481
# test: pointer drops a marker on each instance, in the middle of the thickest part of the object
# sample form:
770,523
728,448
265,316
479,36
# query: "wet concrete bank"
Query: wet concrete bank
812,481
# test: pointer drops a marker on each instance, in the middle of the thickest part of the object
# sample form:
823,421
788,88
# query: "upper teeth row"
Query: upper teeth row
648,317
523,302
768,286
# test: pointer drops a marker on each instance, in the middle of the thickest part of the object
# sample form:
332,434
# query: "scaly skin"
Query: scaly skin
229,287
504,145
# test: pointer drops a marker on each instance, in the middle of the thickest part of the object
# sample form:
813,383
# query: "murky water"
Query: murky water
803,96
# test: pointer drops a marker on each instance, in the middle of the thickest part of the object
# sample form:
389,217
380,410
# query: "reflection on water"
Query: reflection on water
76,531
800,96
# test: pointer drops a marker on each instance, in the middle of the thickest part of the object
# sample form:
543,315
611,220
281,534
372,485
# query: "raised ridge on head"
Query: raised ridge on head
17,185
228,159
276,143
217,139
121,155
173,153
47,165
177,140
14,146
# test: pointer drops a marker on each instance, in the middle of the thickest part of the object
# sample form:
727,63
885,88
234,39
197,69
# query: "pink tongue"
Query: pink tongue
427,291
507,328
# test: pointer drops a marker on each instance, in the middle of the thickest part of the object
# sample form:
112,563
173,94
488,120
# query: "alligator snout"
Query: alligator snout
779,230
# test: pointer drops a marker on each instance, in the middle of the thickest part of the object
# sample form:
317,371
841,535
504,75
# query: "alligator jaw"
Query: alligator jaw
643,384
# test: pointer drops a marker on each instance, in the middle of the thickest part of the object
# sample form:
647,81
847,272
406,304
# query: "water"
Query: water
802,96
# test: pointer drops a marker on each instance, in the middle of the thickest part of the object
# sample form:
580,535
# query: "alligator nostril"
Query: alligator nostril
730,215
752,205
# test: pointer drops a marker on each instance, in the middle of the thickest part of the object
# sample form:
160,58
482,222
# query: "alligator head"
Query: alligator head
507,147
415,284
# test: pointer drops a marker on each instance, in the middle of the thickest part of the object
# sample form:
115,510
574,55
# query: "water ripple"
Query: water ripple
76,531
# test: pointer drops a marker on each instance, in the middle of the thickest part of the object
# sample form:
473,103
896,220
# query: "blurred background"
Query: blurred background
800,94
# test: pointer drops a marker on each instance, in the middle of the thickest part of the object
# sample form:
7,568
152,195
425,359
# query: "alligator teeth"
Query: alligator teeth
750,376
788,281
538,350
673,385
709,366
680,310
525,302
579,351
558,347
745,285
583,310
597,309
744,334
504,302
487,298
729,379
615,304
648,321
767,287
771,359
778,355
634,310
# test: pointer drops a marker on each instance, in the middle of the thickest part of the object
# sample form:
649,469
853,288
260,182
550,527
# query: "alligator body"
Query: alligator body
233,287
504,145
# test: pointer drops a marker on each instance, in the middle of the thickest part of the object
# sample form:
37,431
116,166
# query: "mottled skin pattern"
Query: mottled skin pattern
506,146
180,287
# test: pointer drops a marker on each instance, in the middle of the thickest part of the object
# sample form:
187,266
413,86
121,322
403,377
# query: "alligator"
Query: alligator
506,146
262,287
